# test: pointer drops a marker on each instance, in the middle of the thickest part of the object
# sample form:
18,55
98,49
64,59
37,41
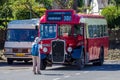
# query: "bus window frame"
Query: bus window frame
81,33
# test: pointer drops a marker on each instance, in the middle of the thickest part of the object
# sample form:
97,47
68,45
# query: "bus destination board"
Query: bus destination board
59,16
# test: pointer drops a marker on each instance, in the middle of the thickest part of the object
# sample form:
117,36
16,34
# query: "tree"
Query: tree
2,2
25,9
62,4
45,3
117,3
68,4
5,13
112,14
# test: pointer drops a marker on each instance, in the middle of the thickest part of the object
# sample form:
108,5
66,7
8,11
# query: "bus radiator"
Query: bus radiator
57,51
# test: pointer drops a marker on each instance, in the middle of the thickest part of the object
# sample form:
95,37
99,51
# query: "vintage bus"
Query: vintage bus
72,38
20,35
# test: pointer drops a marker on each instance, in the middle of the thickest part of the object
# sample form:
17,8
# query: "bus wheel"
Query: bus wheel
9,61
101,58
81,62
43,64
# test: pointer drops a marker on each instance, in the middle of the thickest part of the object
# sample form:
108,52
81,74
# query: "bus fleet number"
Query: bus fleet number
67,18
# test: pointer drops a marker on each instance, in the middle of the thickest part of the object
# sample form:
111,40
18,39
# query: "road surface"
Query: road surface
21,71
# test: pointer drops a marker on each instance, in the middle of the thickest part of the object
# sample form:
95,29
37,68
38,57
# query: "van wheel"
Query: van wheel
43,65
9,61
81,62
26,61
101,58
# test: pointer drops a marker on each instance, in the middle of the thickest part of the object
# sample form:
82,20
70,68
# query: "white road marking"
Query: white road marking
86,72
6,72
57,79
77,74
18,70
67,76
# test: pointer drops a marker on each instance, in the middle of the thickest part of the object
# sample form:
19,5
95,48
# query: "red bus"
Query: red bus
72,38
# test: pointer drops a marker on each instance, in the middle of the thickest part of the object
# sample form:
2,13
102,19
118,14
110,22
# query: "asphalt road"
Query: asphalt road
21,71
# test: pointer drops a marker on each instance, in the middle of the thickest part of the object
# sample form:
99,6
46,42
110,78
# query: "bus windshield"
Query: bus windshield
48,31
65,30
21,35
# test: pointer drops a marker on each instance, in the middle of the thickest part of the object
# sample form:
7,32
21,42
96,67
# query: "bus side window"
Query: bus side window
90,30
105,30
99,33
100,29
95,31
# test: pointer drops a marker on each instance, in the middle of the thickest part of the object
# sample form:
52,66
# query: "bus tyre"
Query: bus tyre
9,61
101,58
81,62
43,64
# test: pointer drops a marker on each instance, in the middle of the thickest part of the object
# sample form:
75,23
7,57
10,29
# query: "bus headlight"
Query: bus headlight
69,49
45,49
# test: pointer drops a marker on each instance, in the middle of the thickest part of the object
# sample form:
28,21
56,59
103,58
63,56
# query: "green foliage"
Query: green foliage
112,14
117,2
2,2
18,9
22,14
5,11
111,2
2,28
25,9
63,4
80,3
46,3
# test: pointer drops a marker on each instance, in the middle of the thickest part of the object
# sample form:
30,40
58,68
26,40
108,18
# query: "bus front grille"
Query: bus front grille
58,51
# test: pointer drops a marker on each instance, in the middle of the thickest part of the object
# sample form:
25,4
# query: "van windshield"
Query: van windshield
21,35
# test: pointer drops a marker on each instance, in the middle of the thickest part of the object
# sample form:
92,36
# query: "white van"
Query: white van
20,35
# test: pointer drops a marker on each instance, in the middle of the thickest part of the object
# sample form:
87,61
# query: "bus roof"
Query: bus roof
23,24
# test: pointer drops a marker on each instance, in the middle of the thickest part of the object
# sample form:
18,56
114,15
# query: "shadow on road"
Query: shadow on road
89,67
54,74
15,64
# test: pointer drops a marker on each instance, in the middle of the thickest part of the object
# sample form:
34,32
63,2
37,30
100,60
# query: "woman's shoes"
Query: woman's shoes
39,72
35,73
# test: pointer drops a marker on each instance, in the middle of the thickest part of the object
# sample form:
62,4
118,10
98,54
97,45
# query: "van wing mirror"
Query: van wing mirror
36,27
